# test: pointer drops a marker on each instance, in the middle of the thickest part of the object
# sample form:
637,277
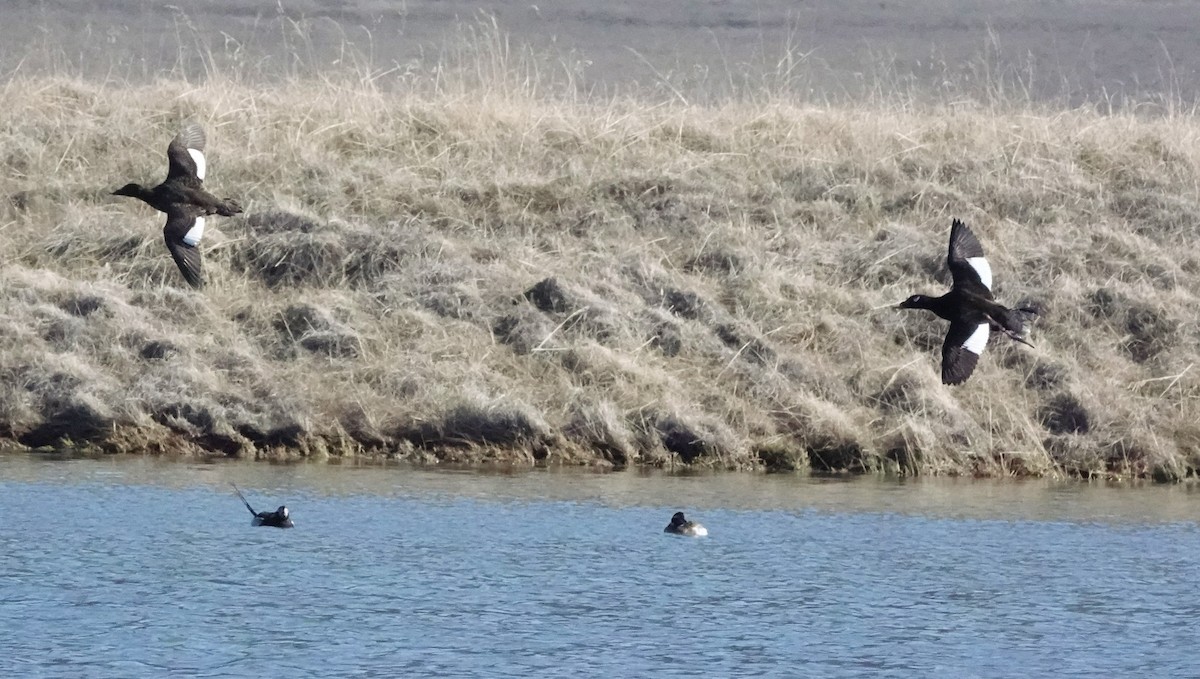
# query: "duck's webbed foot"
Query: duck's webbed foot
1016,337
229,207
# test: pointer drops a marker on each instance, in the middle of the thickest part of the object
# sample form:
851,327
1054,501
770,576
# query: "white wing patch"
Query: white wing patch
699,531
199,158
981,266
194,234
978,339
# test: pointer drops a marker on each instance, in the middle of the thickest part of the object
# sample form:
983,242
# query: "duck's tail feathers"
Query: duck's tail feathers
239,494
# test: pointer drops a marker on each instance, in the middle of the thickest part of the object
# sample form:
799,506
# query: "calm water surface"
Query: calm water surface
143,568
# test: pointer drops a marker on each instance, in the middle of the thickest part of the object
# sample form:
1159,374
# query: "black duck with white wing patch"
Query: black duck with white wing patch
681,526
970,307
183,197
280,518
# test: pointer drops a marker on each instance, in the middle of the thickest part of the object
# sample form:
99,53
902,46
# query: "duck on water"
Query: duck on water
970,307
183,197
280,518
681,526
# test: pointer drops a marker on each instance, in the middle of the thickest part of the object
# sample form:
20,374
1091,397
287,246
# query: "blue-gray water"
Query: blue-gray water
142,568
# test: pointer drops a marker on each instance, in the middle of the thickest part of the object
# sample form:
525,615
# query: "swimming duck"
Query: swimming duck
681,526
969,306
182,196
276,519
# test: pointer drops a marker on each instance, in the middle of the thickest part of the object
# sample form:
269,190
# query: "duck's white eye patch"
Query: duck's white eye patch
194,234
978,339
199,158
981,266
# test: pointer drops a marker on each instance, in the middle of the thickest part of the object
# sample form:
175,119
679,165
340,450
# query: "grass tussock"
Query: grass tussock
474,272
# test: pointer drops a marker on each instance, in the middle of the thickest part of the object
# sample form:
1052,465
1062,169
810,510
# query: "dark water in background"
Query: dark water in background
1067,51
139,568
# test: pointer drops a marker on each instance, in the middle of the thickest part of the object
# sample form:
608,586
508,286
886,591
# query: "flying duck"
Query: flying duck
681,526
183,198
276,519
970,307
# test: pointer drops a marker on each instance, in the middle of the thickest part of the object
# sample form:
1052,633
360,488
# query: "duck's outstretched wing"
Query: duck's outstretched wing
967,263
960,352
186,153
182,234
239,494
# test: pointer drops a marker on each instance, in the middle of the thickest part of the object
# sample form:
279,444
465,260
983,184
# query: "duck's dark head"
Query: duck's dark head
282,511
677,519
131,190
915,302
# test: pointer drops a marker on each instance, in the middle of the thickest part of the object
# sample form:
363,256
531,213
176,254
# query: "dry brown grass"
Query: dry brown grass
467,269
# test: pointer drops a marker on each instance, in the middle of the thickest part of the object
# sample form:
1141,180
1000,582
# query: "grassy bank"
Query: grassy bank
475,273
